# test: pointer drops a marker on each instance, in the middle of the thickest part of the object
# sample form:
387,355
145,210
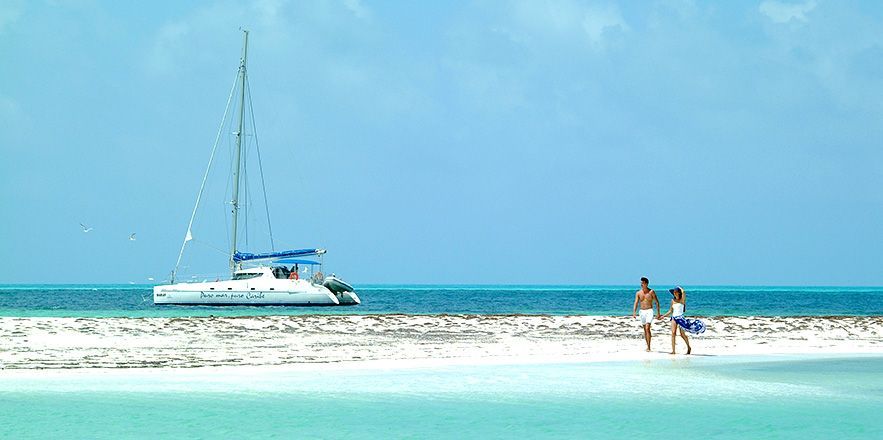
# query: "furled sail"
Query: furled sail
239,257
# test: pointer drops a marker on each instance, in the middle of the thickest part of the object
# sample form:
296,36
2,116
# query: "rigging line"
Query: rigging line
210,246
189,236
257,148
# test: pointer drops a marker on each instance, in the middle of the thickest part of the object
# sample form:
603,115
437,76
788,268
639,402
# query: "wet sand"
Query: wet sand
74,343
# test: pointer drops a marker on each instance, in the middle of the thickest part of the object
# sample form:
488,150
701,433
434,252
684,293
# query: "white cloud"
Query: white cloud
177,42
10,12
12,115
487,88
278,24
780,12
7,106
357,8
597,21
169,37
567,19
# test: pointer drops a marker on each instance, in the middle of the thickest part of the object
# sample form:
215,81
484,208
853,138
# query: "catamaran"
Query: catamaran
256,278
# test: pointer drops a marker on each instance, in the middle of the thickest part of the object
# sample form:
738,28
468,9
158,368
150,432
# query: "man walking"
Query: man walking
646,297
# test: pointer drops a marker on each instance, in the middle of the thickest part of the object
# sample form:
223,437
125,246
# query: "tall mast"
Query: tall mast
238,155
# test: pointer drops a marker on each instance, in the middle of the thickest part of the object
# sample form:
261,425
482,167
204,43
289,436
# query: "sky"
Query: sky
493,142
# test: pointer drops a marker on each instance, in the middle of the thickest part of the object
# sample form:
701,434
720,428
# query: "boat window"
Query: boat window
246,275
281,272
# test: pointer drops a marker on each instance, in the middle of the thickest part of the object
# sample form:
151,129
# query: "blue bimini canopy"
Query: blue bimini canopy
245,256
297,261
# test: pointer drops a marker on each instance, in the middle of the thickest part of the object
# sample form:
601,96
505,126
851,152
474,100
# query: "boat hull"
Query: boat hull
348,298
248,293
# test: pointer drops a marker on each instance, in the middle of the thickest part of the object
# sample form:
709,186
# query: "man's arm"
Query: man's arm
635,307
656,300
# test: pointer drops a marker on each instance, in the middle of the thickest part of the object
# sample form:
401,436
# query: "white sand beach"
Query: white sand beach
401,340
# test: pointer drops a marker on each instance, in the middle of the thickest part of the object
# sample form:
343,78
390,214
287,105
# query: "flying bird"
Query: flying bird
132,237
85,228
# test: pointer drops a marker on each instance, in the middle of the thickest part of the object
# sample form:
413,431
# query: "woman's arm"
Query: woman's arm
669,312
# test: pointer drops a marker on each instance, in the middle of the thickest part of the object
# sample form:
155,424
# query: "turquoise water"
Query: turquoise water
736,397
137,301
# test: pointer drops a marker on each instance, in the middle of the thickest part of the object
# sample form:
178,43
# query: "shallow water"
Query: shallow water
135,301
784,397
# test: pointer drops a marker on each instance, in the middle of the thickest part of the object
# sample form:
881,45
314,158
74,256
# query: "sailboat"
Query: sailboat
256,278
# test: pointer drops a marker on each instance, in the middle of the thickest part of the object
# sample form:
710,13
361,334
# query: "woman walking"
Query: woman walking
678,322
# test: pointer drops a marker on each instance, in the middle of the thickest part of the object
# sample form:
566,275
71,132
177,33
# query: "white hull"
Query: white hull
263,290
348,298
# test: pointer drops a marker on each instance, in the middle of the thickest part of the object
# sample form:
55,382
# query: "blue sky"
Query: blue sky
454,142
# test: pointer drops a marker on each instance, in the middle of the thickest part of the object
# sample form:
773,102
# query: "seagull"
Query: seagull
132,237
85,228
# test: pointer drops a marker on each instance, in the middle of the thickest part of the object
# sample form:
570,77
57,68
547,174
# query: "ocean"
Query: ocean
701,397
137,301
785,397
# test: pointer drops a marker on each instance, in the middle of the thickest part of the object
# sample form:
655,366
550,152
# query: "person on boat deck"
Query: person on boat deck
294,273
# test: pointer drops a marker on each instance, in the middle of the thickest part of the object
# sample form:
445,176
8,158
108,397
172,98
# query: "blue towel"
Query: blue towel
694,326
